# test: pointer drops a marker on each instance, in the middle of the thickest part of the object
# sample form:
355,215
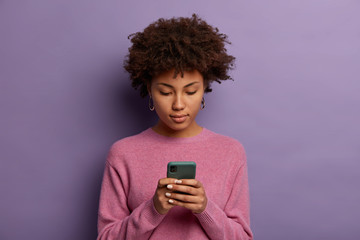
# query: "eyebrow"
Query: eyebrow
170,86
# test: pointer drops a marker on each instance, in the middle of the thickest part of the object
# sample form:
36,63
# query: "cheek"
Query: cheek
161,106
195,104
159,101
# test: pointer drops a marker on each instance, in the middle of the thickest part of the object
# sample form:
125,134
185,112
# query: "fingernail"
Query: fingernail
168,194
178,181
171,201
169,186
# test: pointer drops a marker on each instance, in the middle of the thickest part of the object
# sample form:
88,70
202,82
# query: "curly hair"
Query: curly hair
183,44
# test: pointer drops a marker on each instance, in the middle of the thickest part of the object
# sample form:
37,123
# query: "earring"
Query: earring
202,103
151,105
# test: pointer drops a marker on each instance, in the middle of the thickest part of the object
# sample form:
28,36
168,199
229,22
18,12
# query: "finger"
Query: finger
166,181
196,208
175,202
191,182
182,197
183,189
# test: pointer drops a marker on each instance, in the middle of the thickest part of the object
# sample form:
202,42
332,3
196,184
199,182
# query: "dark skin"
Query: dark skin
179,96
170,193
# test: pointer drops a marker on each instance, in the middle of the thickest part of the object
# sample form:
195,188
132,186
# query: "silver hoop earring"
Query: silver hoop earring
202,103
151,105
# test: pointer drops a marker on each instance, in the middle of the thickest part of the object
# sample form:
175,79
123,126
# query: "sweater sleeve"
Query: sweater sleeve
232,222
115,220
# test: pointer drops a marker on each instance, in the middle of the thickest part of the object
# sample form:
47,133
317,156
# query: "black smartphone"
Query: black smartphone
181,170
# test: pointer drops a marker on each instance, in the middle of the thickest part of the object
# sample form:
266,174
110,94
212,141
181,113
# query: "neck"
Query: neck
191,131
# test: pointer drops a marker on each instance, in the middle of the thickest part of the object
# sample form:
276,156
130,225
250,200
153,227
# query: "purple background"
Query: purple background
294,104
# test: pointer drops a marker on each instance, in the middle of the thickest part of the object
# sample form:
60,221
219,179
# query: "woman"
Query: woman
175,61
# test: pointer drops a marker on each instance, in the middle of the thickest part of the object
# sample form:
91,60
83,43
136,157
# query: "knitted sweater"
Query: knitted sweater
133,168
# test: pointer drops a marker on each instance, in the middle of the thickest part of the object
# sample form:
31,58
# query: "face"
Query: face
177,101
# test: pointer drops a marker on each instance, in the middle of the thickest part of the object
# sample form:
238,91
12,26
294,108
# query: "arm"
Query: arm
233,222
115,220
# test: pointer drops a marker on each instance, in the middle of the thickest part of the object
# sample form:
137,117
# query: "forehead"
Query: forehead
188,77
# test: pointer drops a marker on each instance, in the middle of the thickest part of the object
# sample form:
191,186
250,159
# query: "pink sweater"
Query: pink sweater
133,168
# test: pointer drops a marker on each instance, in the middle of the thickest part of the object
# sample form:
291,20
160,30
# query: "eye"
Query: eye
191,93
165,93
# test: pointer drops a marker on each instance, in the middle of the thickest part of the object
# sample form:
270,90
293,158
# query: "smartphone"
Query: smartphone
181,170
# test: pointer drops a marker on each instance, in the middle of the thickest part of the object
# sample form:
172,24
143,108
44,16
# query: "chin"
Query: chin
178,128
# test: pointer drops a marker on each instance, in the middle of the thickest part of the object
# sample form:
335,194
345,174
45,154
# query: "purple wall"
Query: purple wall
294,104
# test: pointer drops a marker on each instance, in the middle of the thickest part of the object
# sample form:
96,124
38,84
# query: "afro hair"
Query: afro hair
183,44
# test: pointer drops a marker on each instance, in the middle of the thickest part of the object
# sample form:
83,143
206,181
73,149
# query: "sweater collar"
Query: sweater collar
161,138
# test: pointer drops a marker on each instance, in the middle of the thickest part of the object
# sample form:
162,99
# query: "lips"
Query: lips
179,118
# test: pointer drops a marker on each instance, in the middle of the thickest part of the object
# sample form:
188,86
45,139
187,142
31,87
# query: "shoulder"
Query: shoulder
127,145
229,148
224,141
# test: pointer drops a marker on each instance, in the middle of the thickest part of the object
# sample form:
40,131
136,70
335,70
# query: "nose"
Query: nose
178,103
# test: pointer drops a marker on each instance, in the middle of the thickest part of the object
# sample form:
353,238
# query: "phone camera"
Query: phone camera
173,169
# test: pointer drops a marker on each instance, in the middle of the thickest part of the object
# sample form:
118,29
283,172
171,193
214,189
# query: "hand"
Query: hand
194,198
161,202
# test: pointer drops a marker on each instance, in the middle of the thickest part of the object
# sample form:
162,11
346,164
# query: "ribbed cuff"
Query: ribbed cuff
151,214
205,216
